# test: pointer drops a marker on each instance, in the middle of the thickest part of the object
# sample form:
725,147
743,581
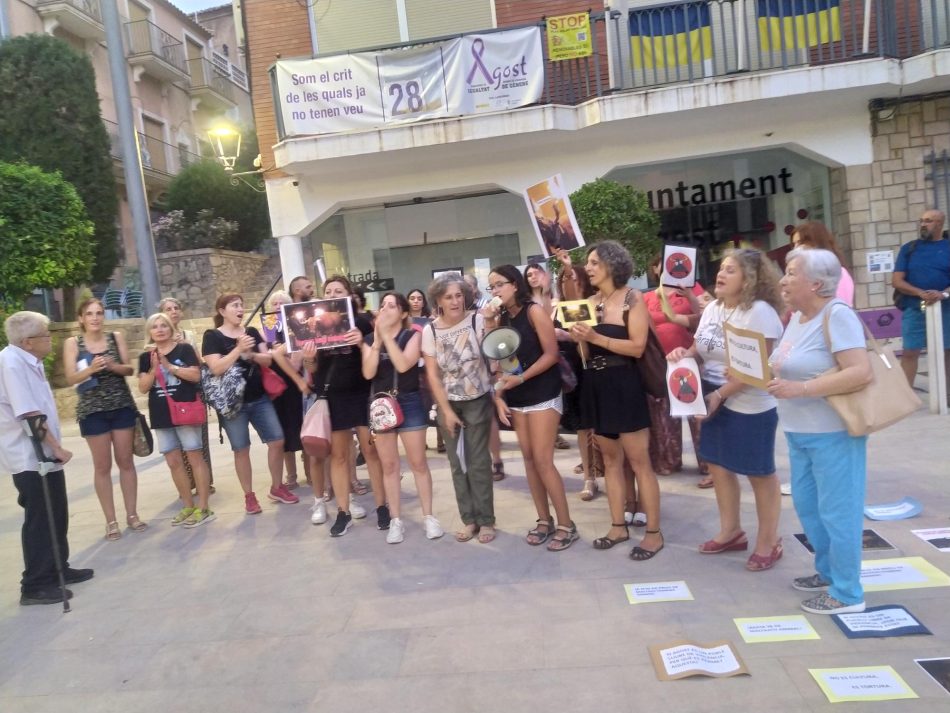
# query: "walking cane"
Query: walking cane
37,430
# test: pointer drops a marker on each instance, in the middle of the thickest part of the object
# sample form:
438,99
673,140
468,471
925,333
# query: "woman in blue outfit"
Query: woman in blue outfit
391,360
531,402
828,464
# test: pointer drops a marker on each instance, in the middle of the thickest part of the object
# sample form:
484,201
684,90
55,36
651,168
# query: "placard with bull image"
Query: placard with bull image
679,266
323,323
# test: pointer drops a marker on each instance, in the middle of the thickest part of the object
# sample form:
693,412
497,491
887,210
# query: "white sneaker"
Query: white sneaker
318,512
785,488
396,532
433,528
356,510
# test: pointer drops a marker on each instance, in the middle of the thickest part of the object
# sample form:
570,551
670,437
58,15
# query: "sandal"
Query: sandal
497,471
135,524
759,563
467,533
486,534
358,487
538,537
112,531
589,490
605,543
639,554
706,482
563,538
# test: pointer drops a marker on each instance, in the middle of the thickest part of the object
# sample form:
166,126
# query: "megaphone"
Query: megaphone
500,345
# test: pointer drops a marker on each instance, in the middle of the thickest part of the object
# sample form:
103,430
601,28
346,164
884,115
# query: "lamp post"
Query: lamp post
226,142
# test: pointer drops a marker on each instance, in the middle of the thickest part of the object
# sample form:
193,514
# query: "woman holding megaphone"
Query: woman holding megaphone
528,397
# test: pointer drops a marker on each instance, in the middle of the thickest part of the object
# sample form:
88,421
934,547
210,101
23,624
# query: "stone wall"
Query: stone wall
197,277
878,206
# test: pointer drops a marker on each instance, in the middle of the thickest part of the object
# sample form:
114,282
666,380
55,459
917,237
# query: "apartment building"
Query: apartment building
739,119
181,80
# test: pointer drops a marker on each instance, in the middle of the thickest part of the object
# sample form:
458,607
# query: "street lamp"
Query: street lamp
226,143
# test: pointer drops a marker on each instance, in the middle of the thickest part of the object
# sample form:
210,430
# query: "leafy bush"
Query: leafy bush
176,232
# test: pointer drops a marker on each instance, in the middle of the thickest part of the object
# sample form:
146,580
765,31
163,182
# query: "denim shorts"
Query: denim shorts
262,416
415,416
914,326
95,424
186,438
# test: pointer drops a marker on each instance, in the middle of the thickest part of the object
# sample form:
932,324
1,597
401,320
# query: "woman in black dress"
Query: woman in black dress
613,401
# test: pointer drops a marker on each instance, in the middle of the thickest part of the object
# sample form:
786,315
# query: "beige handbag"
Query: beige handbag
883,402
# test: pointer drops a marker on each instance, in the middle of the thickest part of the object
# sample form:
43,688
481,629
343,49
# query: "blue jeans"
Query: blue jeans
828,483
262,416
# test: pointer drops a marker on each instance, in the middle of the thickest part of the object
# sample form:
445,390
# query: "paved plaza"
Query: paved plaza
268,613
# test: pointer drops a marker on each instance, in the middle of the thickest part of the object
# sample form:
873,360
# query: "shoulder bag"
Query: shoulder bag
883,402
385,413
316,430
652,363
142,442
274,385
182,413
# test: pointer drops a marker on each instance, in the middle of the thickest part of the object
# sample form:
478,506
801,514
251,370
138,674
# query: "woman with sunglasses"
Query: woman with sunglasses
530,401
613,399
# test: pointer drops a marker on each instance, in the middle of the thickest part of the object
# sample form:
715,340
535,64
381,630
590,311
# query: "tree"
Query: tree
607,210
44,232
50,117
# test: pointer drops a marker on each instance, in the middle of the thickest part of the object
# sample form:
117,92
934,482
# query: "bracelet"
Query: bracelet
521,376
804,389
719,394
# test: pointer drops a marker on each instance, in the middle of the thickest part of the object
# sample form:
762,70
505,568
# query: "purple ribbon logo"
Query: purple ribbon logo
478,49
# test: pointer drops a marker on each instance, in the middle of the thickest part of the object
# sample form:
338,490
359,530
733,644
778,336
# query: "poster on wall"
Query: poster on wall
553,217
323,323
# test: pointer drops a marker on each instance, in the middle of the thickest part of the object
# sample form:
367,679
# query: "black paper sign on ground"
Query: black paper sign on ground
870,542
938,670
878,622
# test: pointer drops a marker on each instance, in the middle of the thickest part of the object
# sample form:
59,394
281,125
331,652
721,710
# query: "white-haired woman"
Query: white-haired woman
169,369
828,465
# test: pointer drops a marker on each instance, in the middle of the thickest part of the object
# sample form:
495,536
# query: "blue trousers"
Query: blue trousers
828,479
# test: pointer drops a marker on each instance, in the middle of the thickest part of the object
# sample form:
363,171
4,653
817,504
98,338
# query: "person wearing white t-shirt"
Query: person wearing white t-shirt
828,464
739,429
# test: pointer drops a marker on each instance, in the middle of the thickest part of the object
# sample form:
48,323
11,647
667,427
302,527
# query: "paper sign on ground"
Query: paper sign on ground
939,537
657,592
679,266
884,620
938,670
681,659
763,629
861,683
747,356
901,573
871,541
900,510
683,388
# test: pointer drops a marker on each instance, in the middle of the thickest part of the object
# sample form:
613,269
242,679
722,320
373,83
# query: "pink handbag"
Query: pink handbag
182,413
274,385
316,430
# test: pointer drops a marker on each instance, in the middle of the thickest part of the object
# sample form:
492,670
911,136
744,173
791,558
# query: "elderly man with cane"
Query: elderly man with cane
30,449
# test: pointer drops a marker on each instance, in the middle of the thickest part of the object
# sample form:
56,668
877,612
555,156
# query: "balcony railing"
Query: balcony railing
156,155
90,8
207,75
148,39
226,69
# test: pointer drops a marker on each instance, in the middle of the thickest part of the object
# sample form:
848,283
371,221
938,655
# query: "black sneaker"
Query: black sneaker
382,517
75,576
44,595
342,524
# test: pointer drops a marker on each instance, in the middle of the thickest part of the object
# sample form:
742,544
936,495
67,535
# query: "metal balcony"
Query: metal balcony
156,52
81,18
211,86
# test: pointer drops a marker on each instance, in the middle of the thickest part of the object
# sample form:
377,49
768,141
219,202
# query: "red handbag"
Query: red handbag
274,385
182,413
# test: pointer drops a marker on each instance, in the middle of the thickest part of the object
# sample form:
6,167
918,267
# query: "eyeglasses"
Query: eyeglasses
41,336
498,285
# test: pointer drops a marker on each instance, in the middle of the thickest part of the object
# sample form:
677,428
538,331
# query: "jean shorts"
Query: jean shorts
914,326
95,424
415,416
262,416
186,438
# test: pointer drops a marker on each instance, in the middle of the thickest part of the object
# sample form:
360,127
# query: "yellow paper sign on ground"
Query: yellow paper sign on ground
901,573
569,36
763,629
861,683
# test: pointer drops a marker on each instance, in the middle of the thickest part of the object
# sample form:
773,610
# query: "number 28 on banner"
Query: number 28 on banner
406,98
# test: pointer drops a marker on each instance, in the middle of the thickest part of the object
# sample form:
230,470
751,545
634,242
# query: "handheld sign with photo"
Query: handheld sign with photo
747,356
552,216
683,386
323,323
272,327
576,312
679,266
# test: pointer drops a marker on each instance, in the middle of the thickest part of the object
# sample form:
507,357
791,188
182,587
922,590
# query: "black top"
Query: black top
215,342
540,387
347,363
180,390
383,381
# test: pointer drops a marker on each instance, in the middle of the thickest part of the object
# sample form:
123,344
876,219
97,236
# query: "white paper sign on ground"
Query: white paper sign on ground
765,629
900,510
901,573
861,683
657,592
680,659
939,537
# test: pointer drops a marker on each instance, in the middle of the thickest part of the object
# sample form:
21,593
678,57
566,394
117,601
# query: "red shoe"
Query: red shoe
251,506
280,494
738,543
758,563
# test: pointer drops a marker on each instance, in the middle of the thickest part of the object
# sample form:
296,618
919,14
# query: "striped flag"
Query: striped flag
796,24
670,36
